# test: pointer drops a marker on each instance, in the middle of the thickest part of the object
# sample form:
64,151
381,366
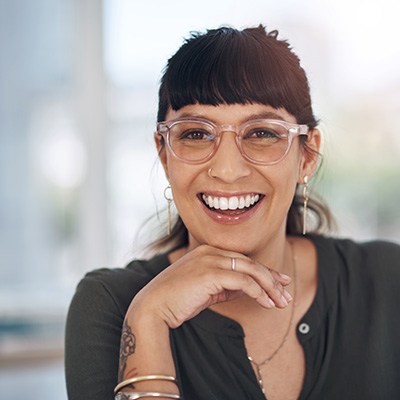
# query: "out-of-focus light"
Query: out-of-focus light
63,160
59,151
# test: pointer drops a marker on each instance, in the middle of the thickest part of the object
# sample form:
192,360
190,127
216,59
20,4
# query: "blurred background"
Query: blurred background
78,171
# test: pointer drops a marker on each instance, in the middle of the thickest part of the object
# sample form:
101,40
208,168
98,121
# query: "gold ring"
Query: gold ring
210,174
233,264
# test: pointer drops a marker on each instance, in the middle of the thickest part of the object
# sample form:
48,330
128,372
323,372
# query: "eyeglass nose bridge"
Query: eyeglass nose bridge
228,128
220,129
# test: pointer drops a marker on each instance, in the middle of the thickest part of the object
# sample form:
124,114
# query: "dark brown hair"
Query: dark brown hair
229,66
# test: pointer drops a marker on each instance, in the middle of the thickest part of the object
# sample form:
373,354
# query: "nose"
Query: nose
228,164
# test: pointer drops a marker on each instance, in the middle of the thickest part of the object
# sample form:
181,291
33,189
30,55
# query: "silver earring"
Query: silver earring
169,198
305,203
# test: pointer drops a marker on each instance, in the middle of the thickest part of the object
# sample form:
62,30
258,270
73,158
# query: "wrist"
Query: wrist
145,318
147,337
146,310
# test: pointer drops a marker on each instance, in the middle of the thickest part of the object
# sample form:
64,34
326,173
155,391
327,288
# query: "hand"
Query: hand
204,277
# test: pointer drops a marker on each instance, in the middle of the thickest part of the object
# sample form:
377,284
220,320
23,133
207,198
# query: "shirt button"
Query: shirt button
304,328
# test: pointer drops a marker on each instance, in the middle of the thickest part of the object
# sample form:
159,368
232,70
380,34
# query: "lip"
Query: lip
218,193
226,218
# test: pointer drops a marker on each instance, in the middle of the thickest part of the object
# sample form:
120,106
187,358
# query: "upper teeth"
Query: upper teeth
230,203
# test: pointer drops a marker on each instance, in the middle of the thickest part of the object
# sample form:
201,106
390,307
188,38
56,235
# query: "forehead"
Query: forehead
230,114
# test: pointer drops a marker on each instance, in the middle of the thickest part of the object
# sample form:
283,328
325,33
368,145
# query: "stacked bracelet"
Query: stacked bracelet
144,378
140,395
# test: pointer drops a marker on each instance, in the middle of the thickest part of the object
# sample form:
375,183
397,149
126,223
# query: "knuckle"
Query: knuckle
220,260
277,287
207,258
276,283
247,280
211,260
255,288
259,291
203,249
255,266
259,268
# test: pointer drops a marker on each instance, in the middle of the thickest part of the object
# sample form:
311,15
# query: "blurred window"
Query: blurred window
78,170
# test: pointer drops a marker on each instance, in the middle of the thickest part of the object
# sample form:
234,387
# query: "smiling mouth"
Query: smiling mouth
232,204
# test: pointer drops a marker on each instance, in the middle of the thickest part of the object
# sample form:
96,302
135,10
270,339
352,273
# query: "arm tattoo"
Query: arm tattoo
128,345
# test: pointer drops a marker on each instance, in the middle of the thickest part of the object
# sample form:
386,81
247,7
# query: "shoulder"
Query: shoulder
362,278
370,258
377,251
119,285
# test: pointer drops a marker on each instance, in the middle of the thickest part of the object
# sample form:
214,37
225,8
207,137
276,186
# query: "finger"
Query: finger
284,280
247,284
269,280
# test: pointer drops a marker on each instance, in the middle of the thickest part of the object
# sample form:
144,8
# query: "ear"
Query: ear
311,155
162,152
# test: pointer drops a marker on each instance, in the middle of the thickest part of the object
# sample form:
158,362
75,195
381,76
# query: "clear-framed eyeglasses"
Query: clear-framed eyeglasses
261,141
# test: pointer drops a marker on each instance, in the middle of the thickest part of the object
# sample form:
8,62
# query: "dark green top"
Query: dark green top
350,334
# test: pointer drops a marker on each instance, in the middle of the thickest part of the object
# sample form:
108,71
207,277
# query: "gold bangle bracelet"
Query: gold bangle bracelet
140,395
144,378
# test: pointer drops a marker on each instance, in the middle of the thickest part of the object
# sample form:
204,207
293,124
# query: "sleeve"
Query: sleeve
92,341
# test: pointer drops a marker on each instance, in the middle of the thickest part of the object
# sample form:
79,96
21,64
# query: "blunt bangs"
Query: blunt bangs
227,66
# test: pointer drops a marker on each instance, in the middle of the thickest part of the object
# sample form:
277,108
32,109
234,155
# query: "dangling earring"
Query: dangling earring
169,198
305,203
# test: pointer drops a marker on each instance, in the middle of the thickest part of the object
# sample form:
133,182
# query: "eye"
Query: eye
263,133
196,134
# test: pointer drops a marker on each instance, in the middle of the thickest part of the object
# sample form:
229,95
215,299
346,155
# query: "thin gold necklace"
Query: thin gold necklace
285,336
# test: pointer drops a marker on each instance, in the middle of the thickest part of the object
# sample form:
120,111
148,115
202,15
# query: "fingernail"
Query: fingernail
288,296
285,276
271,303
284,301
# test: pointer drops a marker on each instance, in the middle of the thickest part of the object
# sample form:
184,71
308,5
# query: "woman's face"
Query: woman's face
250,229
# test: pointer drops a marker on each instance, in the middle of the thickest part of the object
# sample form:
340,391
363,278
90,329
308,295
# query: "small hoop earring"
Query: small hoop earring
305,203
209,172
168,196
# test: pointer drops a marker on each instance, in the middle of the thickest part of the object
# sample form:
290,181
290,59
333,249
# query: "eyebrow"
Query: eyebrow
262,115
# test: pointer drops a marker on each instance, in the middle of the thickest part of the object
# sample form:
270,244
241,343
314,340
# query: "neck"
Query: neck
274,254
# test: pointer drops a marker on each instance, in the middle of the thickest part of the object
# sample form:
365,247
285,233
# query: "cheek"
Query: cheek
284,175
283,179
181,178
177,172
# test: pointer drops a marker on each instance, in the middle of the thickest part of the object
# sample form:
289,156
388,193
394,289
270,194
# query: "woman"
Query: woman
238,304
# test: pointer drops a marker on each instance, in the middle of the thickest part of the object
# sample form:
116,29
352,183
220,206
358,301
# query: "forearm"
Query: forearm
197,280
146,350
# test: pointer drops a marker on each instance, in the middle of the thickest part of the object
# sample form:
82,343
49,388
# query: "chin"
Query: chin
237,244
241,241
